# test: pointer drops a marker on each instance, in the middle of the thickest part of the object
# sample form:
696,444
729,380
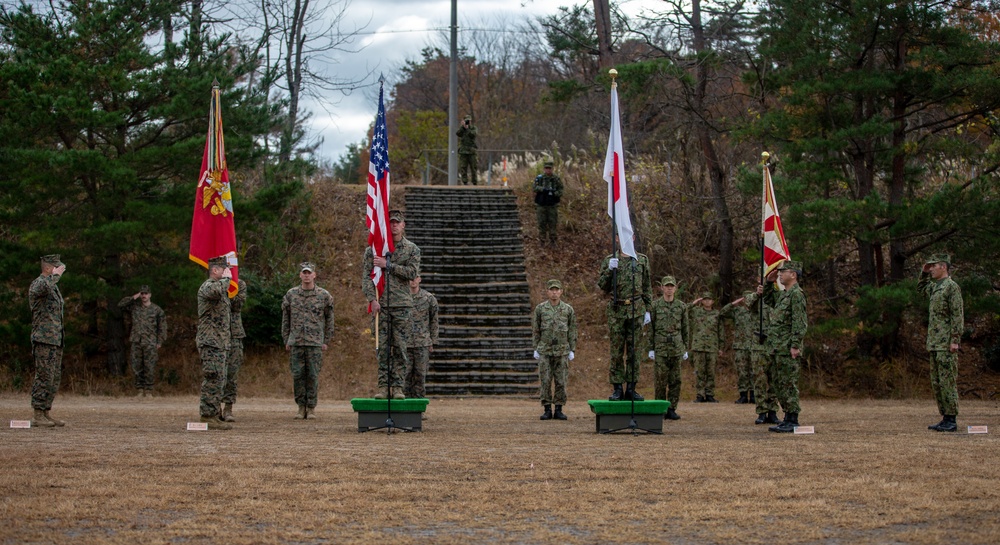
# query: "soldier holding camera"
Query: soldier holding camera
548,189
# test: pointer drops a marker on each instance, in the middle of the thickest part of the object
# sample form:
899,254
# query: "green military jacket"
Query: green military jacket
787,328
550,186
707,333
46,304
467,139
553,329
423,320
669,323
753,305
404,265
149,324
307,317
945,314
214,320
236,310
633,284
746,323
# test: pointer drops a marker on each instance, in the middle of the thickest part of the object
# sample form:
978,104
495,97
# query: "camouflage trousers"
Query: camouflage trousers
144,358
627,343
548,219
784,374
48,373
467,168
667,378
415,376
763,383
233,363
305,362
944,381
553,369
393,333
744,370
704,372
213,372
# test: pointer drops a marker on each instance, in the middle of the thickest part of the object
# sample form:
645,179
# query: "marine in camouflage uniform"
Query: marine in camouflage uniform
946,321
553,334
707,336
671,334
394,306
47,338
785,335
306,331
235,358
213,340
149,332
548,188
423,337
468,165
744,337
627,313
763,379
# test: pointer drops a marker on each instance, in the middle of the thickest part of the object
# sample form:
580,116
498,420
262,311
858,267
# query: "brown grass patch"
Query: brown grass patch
486,470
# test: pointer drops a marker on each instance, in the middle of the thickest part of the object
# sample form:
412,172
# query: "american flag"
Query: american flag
377,213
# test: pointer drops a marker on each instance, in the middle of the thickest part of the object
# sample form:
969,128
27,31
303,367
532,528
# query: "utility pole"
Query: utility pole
453,99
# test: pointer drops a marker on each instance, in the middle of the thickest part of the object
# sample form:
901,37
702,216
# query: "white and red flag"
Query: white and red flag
775,247
614,174
377,210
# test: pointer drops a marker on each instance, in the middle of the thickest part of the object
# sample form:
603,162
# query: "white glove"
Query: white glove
652,354
571,355
613,263
645,319
537,355
685,355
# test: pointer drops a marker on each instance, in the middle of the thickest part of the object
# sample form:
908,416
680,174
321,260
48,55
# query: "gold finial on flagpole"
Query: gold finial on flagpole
764,156
614,74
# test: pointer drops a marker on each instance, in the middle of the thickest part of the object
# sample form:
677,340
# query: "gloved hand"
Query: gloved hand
613,263
537,355
652,354
685,355
645,319
571,355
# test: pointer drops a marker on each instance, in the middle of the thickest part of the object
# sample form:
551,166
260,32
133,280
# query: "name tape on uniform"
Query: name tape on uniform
978,429
197,426
26,424
804,430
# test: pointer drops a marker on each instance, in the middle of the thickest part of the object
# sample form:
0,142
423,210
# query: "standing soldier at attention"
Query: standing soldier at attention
214,335
306,331
423,337
47,339
548,189
553,334
946,320
707,336
763,374
785,335
149,331
235,358
468,165
396,302
670,334
744,327
631,296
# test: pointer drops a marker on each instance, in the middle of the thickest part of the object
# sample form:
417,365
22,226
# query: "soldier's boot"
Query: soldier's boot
56,421
302,413
699,398
215,424
772,418
630,393
311,413
617,395
397,393
743,400
711,399
559,414
39,420
671,415
761,419
949,424
380,394
547,415
752,398
787,425
937,427
227,413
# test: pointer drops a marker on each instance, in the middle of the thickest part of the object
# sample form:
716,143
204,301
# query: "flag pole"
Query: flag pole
614,219
765,157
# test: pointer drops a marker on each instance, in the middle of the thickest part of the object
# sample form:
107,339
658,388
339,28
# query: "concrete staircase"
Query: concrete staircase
472,260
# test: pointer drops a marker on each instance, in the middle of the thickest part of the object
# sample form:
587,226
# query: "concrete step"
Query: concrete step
473,389
480,343
475,270
483,298
483,377
471,248
487,321
446,331
456,260
490,354
421,217
489,288
507,309
445,278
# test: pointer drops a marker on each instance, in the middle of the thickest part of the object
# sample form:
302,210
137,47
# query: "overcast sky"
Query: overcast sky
397,31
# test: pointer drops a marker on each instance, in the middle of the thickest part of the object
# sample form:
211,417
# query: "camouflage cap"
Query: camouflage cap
397,215
221,261
467,118
52,259
707,295
668,281
548,164
307,266
553,284
789,265
143,289
938,258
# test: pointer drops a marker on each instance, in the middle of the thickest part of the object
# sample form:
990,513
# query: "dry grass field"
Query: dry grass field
488,471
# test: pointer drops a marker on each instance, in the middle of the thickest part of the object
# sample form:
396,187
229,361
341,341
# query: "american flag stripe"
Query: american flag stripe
377,202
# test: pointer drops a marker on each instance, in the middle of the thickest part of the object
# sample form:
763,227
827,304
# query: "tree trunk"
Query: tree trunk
117,361
602,16
897,182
